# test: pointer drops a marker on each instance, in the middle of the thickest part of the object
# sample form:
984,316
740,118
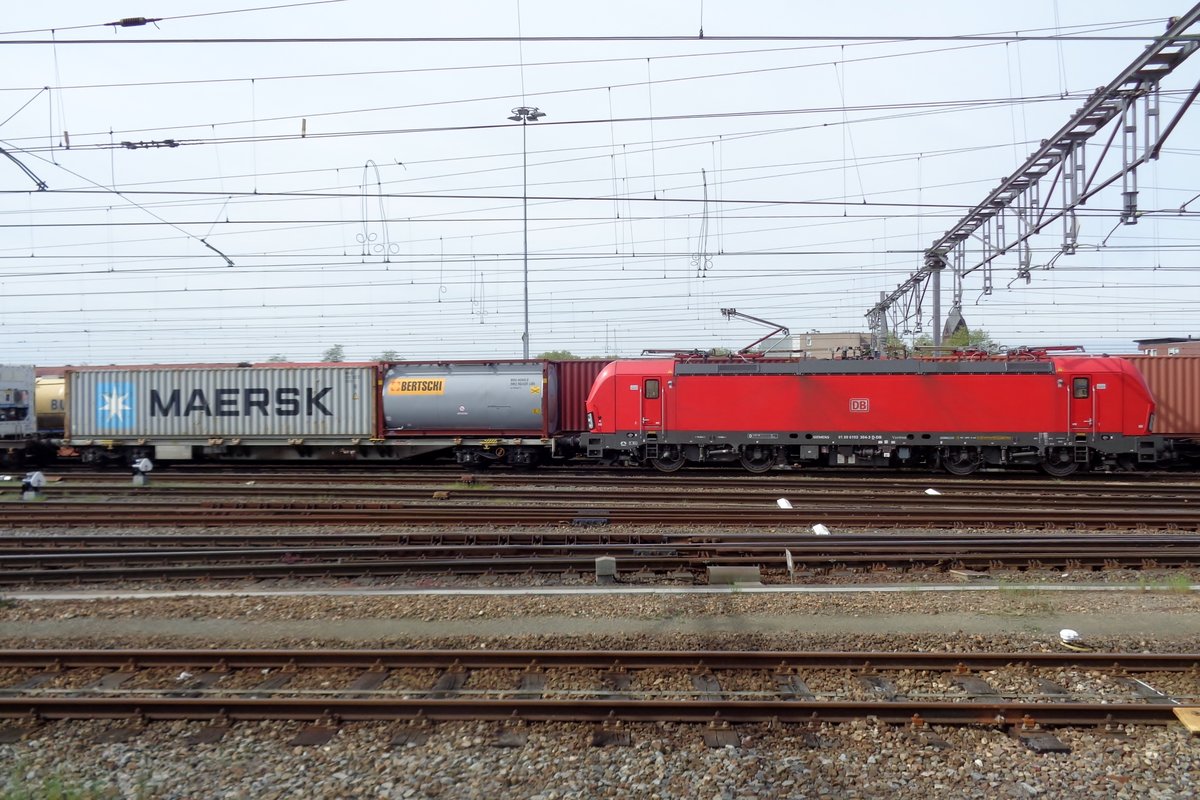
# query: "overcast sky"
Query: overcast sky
369,194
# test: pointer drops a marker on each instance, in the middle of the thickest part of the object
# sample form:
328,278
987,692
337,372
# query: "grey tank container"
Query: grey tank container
501,398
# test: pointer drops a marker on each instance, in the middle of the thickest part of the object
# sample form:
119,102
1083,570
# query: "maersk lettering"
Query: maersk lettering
230,402
227,402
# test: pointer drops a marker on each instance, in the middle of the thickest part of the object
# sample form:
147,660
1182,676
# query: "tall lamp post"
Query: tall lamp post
525,115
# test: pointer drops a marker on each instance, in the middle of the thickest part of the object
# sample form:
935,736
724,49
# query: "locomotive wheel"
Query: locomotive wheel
961,461
1059,464
758,459
670,459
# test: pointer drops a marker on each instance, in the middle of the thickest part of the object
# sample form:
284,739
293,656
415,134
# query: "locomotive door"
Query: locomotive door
651,405
1083,405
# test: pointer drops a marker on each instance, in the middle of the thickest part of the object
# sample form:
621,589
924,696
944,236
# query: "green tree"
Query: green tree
558,355
334,354
388,355
964,338
278,358
895,347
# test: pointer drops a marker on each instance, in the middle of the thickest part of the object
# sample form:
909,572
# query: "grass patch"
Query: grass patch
1179,584
55,787
460,486
1020,600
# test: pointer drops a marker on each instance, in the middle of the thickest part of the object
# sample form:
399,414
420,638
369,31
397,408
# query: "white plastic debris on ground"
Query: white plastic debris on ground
932,491
1068,635
784,502
820,530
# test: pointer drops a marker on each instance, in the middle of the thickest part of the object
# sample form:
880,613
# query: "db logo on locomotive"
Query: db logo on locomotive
860,405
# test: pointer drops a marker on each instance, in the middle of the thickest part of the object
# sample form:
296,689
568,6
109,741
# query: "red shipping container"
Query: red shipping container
575,380
1175,384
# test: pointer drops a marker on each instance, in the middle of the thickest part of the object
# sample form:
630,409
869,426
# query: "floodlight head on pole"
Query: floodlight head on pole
526,114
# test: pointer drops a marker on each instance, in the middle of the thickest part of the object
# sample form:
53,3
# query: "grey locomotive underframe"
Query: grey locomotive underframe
849,448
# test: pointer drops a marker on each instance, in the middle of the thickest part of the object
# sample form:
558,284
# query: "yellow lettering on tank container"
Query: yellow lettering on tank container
416,386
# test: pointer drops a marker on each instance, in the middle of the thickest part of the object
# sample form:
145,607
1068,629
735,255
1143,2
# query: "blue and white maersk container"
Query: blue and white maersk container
17,417
325,402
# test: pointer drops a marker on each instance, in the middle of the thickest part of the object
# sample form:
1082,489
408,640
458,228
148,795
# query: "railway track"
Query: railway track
1020,692
47,560
625,479
854,542
720,493
565,473
847,512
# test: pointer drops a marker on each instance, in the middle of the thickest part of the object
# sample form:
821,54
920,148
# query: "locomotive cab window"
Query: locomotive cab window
652,388
1080,388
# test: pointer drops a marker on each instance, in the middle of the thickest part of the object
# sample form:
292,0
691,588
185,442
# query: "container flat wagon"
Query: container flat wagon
478,412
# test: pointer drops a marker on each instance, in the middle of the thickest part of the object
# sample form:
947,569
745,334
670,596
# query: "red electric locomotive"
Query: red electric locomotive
1061,413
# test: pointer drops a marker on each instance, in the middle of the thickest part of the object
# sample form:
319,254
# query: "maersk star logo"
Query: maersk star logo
114,405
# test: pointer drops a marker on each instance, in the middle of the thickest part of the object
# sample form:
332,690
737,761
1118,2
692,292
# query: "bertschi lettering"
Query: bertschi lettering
417,386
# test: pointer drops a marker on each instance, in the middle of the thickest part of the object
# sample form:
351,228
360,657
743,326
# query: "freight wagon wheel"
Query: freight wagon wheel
758,459
1059,463
669,459
961,460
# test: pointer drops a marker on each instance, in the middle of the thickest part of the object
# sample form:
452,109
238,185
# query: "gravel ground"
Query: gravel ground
459,760
861,760
1015,601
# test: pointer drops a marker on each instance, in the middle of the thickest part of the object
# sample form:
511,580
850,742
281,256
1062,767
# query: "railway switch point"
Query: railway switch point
606,570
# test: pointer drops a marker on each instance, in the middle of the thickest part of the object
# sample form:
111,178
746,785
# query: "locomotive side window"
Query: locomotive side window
1079,388
652,388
